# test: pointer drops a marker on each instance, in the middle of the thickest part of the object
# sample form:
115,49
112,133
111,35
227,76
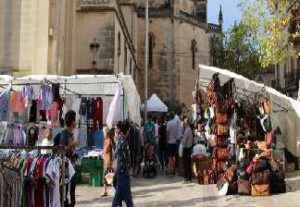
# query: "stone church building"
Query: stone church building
67,37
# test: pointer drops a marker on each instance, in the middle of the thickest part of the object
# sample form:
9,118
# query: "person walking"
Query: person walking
67,140
162,142
107,157
122,161
187,144
172,134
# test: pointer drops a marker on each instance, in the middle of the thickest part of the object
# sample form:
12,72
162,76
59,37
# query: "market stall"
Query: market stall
155,104
246,126
30,105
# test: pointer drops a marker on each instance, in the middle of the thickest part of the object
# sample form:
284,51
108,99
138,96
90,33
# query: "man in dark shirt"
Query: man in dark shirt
67,140
162,133
122,160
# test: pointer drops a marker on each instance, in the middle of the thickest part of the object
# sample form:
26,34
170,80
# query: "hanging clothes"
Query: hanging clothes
27,94
97,106
4,103
45,98
17,102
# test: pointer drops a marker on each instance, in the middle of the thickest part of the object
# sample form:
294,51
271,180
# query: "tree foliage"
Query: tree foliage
238,52
269,23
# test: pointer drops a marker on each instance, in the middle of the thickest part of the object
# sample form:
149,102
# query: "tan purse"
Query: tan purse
222,130
260,190
267,106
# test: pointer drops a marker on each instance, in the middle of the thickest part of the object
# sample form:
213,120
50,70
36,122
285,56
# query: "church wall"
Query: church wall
98,25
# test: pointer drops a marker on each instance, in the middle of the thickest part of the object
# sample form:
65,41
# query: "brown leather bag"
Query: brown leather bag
261,177
260,190
269,139
222,141
221,153
208,177
230,174
267,106
222,130
217,165
221,118
244,187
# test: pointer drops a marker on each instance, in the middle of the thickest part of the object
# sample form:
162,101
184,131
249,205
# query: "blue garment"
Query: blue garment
4,103
123,191
98,137
122,156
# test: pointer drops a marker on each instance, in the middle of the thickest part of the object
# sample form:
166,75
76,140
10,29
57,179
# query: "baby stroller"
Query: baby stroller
150,162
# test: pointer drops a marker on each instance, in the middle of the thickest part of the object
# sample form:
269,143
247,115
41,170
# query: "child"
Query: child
47,142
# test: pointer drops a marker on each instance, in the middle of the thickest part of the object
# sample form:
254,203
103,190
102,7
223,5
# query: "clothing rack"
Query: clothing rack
71,91
62,150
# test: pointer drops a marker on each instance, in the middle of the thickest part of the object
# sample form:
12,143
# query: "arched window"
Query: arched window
151,46
194,50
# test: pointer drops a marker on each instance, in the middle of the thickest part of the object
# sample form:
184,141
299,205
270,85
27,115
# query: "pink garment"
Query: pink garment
54,114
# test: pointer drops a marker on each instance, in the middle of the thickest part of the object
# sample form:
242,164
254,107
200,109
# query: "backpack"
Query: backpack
149,130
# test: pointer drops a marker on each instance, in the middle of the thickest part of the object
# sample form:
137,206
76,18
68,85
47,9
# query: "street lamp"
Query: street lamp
94,47
146,56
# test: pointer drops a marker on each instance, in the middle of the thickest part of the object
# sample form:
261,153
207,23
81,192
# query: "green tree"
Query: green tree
269,23
239,52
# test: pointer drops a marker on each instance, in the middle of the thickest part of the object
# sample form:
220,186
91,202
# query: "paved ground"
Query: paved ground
170,192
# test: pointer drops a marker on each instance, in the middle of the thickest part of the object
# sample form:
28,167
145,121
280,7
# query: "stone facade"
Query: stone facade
58,37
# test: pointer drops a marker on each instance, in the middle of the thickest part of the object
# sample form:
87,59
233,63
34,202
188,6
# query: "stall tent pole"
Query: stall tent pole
146,56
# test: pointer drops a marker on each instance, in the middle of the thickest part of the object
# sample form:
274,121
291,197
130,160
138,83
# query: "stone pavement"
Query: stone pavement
171,192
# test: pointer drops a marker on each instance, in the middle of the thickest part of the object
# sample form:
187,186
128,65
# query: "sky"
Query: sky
230,10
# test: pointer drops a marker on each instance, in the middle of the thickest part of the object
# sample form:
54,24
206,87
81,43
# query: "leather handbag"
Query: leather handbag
261,165
221,118
267,104
208,177
232,189
217,165
261,177
222,141
221,153
222,130
277,188
244,187
269,139
260,190
230,174
277,176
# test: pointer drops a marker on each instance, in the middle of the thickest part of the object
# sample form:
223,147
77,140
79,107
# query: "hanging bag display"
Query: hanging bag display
221,154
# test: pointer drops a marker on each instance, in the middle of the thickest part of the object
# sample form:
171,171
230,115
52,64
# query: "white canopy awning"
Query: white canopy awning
154,104
88,85
287,116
